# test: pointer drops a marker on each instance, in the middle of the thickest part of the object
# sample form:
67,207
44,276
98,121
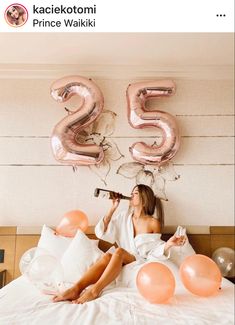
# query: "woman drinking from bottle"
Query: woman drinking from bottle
137,234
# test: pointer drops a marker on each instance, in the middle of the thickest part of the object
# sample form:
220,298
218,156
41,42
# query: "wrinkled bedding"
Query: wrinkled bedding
120,303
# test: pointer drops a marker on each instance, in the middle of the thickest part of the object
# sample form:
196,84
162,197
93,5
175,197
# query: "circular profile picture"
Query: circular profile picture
16,15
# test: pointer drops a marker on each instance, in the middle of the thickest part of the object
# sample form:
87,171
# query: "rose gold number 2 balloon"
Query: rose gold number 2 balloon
64,142
139,117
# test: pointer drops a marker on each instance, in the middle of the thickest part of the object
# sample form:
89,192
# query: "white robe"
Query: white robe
121,231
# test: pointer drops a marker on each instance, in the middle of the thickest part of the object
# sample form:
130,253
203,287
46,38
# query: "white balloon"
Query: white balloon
224,258
28,257
43,270
46,273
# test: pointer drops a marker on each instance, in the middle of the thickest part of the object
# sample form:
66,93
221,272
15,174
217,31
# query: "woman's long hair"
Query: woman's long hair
13,20
152,205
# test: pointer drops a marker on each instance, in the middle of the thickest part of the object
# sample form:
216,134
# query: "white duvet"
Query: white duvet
21,303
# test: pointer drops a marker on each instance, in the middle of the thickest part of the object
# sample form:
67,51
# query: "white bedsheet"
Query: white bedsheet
22,304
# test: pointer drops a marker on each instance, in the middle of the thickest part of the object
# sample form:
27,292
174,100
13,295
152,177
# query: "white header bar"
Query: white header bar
117,16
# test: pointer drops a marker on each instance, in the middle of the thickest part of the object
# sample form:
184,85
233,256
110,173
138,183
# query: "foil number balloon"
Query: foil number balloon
139,117
65,147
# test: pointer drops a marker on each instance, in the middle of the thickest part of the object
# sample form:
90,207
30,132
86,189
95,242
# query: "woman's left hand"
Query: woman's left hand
176,241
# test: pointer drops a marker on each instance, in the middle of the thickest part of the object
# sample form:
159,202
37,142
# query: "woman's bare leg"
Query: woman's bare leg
91,276
118,259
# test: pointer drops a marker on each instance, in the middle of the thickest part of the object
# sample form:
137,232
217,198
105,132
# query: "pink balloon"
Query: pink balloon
200,275
64,141
155,282
139,117
71,222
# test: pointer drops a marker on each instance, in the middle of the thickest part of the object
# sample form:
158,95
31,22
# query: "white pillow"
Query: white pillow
179,253
56,245
79,256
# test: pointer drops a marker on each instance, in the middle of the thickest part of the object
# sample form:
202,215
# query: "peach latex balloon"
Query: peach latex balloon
155,282
200,275
71,222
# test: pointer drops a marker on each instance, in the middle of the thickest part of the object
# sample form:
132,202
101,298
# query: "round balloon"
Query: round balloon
71,222
200,275
29,256
155,282
224,258
46,273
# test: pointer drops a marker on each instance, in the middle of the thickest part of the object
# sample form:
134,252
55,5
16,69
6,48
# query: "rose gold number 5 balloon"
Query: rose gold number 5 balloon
139,117
65,147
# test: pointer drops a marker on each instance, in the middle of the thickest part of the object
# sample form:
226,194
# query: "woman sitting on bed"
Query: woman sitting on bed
137,234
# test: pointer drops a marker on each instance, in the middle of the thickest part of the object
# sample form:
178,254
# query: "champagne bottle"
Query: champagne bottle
107,194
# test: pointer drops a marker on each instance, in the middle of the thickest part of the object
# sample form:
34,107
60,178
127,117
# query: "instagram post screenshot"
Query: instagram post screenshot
117,162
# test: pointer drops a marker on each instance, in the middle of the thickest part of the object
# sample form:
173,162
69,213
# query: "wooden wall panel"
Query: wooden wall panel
23,243
201,244
222,237
218,241
8,243
222,230
8,230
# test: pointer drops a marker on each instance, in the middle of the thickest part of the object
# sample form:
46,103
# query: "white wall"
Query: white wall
35,189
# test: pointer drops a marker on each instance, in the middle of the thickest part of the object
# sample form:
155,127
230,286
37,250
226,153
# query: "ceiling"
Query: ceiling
161,49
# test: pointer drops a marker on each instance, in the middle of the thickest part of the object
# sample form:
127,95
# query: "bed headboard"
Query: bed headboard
16,240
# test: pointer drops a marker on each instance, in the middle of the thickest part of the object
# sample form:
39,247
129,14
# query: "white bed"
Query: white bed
21,303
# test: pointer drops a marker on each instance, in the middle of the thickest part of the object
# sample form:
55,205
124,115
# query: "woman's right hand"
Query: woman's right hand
116,201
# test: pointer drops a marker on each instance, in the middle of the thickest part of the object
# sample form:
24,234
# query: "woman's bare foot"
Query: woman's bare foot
70,294
89,294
